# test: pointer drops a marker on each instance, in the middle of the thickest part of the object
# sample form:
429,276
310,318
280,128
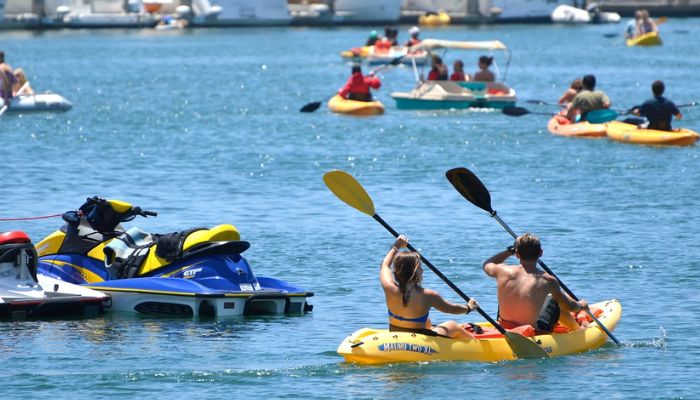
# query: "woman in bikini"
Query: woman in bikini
409,304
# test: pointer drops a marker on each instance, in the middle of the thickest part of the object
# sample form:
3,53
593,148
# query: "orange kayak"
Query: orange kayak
560,125
628,133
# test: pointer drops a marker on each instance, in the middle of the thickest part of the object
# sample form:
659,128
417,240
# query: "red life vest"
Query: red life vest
357,83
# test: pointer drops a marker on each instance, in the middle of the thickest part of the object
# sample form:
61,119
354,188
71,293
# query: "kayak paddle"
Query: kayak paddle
469,186
544,103
313,106
520,111
347,189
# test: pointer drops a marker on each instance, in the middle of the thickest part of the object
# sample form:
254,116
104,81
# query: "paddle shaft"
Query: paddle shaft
438,273
563,286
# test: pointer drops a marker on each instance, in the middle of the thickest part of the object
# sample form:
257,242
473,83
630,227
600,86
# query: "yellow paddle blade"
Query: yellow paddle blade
524,347
349,190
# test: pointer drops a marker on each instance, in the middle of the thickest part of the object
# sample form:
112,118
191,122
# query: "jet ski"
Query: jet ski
26,295
197,272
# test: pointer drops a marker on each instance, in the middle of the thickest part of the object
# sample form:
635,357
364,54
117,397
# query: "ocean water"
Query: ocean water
203,127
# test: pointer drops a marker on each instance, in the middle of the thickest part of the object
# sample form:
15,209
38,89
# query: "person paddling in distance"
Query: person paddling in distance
527,295
571,92
658,110
646,24
632,30
357,87
587,100
409,304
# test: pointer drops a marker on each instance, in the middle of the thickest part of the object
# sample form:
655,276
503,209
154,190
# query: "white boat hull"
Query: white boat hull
573,15
46,102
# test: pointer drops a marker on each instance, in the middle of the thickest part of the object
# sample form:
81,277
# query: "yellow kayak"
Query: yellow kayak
439,19
560,125
379,346
647,39
340,105
629,133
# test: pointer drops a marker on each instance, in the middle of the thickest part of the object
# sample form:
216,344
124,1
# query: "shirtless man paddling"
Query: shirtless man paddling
528,295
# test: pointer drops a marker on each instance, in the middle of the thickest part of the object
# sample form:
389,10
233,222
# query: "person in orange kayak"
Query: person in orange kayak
384,44
587,100
571,92
658,110
408,303
358,85
414,32
527,295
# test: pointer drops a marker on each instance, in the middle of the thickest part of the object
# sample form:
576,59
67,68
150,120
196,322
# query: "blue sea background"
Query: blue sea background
203,127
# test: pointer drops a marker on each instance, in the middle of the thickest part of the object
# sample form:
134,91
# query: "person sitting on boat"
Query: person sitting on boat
659,111
571,92
392,34
372,39
409,304
414,32
21,85
384,44
646,24
458,73
587,100
632,30
358,85
8,80
438,70
484,74
527,295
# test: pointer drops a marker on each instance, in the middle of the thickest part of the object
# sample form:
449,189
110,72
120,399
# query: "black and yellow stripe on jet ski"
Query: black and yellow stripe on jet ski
177,271
85,273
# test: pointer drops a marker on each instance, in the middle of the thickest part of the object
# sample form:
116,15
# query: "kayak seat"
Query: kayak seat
219,233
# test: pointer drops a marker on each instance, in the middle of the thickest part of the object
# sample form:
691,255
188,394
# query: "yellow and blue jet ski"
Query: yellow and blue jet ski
198,272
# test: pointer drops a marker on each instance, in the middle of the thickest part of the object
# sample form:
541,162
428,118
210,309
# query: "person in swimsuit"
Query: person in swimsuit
409,304
571,92
527,295
646,24
484,74
7,80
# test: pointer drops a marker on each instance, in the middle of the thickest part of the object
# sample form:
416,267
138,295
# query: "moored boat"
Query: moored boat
629,133
380,346
647,39
24,294
432,95
197,272
44,102
341,105
440,18
560,125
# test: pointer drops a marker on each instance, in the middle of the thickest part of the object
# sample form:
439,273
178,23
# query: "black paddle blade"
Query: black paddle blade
396,61
311,107
469,186
538,102
515,111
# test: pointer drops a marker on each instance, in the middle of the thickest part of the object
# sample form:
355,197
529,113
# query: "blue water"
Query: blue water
204,128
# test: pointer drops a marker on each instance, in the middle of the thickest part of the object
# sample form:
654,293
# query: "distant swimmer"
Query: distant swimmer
358,86
484,74
658,110
587,100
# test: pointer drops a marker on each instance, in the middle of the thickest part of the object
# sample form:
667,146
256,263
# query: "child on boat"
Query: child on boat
458,73
571,92
408,303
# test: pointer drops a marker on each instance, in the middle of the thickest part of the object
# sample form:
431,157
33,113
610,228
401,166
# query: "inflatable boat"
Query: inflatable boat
44,102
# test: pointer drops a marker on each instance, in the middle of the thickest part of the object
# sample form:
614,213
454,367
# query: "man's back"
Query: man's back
521,294
659,111
588,101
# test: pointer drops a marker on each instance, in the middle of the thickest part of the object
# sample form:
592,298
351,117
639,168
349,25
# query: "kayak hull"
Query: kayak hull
628,133
560,125
340,105
647,39
379,346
